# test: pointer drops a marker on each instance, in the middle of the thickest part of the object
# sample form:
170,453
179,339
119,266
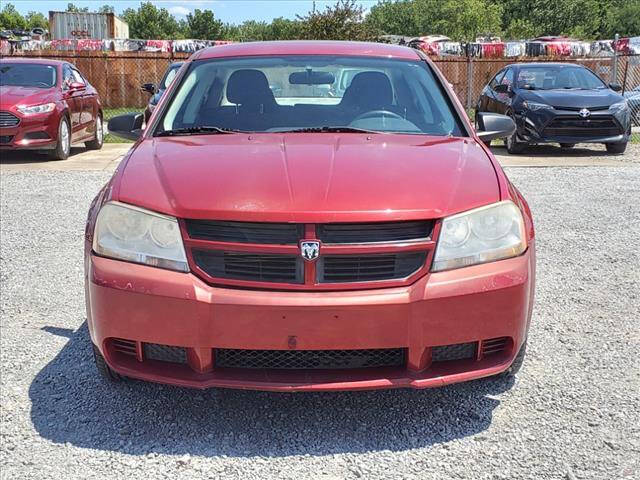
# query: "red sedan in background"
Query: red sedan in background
294,239
47,105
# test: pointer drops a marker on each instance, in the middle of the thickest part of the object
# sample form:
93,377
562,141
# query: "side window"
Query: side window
67,77
77,77
496,80
508,77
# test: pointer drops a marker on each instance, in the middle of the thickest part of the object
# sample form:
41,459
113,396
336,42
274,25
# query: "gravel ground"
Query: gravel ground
572,413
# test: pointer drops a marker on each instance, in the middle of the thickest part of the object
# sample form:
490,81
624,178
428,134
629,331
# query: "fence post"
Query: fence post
614,72
469,82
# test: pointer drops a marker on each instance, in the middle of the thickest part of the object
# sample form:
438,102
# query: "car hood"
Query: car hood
11,95
308,177
573,98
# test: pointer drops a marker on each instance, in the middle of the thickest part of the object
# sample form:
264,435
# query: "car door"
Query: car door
87,116
503,99
74,101
487,102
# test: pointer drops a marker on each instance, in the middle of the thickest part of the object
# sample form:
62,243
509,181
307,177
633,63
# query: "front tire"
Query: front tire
517,363
63,145
103,369
617,148
511,142
96,143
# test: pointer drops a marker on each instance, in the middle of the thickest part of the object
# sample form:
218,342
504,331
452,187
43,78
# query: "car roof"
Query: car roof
32,61
545,64
308,47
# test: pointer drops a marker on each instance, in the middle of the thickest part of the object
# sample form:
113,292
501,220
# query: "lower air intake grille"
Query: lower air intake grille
164,353
309,359
494,345
367,268
6,138
258,267
125,347
596,127
458,351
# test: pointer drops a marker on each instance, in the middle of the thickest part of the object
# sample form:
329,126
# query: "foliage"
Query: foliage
343,21
72,8
150,22
203,25
10,18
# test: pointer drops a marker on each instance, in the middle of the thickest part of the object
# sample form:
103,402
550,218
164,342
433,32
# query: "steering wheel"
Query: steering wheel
377,113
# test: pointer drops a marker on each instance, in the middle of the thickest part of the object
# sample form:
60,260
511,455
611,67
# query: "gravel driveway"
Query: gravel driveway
572,413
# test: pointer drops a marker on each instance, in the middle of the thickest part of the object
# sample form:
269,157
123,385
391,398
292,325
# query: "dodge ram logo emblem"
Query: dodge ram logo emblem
310,250
584,113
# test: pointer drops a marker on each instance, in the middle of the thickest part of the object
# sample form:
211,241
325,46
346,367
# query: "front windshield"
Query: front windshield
555,77
277,94
27,75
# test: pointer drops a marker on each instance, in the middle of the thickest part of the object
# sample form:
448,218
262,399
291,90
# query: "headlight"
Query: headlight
36,109
486,234
534,106
619,106
130,233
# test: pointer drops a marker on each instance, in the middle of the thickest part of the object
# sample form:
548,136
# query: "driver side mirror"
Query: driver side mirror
616,87
149,88
502,88
492,126
77,87
128,126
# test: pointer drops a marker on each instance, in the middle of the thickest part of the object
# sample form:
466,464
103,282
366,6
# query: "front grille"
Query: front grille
258,267
494,345
8,119
374,232
457,351
309,359
367,268
164,353
6,138
577,127
245,232
125,347
577,109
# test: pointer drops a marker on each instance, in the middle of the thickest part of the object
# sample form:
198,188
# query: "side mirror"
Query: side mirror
77,87
502,88
493,125
616,87
127,126
149,88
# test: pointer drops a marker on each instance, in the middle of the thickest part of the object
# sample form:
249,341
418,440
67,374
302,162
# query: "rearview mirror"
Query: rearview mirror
127,126
493,125
616,87
149,88
309,77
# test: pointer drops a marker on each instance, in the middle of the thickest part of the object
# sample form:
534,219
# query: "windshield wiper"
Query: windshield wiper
327,129
202,129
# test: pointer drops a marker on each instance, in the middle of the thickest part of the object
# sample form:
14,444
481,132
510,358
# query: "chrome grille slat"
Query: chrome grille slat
8,119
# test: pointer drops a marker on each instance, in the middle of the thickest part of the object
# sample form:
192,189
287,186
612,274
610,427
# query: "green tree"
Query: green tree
622,18
150,22
106,9
201,24
10,18
394,17
72,8
36,20
343,21
285,29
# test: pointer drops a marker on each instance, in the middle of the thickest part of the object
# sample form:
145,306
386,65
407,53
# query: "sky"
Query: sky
231,11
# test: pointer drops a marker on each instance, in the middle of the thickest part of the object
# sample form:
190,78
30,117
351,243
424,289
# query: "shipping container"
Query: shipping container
86,25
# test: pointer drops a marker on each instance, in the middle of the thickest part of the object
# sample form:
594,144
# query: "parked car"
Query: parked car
249,242
633,99
47,105
560,103
157,91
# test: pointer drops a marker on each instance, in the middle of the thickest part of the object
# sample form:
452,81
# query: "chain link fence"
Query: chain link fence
118,76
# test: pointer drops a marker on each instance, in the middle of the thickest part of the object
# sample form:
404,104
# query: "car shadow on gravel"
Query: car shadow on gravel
31,156
72,404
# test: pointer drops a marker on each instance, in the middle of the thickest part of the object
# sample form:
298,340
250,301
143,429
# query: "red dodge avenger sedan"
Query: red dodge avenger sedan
47,105
309,216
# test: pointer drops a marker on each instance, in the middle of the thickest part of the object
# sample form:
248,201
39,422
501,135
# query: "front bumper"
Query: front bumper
564,126
37,132
149,305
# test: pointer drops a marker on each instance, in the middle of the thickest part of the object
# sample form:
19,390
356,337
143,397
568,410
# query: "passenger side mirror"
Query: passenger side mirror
77,87
616,87
492,126
149,88
127,126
